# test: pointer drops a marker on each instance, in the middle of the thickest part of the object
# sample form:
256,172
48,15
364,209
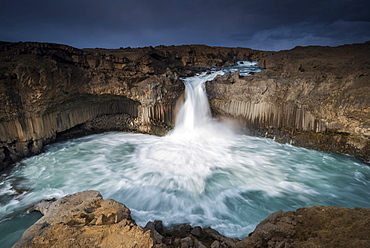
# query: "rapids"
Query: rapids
202,173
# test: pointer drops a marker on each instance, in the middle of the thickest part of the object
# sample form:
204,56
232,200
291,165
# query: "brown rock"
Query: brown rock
85,220
312,227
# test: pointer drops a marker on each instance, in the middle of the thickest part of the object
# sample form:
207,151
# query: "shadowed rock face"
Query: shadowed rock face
49,91
85,219
316,97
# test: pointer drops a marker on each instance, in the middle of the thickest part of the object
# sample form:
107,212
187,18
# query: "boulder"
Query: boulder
85,219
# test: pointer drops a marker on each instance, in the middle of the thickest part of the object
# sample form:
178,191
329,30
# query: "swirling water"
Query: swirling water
202,173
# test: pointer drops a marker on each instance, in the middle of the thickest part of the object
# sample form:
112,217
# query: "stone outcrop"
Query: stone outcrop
316,97
86,220
312,227
49,91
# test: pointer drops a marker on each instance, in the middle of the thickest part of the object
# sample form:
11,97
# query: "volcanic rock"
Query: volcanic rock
315,97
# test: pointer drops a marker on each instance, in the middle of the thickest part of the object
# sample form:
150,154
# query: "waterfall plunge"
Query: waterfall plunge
198,143
200,173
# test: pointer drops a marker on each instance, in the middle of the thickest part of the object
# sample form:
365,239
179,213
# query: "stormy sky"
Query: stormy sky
257,24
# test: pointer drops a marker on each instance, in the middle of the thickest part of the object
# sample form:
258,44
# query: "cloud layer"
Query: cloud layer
263,24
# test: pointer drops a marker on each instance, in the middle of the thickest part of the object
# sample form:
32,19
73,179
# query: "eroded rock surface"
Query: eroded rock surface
86,220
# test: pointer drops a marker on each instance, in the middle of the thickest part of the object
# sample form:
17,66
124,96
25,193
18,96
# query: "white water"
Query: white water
200,173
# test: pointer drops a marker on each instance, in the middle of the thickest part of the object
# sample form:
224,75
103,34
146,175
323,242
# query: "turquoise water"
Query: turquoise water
230,189
203,173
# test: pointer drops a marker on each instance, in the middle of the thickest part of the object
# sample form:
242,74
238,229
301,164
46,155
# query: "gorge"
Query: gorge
280,102
316,97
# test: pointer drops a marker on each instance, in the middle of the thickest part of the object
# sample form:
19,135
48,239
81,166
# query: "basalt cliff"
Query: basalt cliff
317,97
51,91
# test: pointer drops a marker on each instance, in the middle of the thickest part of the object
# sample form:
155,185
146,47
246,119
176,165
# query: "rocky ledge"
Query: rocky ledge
85,219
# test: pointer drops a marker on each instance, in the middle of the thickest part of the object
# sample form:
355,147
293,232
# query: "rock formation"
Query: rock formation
316,97
86,220
49,90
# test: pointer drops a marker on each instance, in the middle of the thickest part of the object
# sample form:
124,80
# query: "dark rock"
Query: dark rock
158,226
197,232
155,234
312,227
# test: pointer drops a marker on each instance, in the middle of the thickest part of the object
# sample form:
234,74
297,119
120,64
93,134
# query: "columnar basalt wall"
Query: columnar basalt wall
314,97
267,115
26,136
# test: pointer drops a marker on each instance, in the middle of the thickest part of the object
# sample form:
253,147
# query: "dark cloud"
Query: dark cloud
263,24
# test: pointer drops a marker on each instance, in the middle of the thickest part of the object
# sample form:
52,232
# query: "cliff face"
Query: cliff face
49,90
316,97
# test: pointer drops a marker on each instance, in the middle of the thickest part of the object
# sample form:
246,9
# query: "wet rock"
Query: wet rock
197,232
156,229
158,226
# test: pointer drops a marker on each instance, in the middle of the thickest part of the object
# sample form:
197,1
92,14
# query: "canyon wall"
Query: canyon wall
52,91
315,97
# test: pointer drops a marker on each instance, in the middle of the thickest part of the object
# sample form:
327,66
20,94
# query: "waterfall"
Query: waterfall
195,112
201,173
